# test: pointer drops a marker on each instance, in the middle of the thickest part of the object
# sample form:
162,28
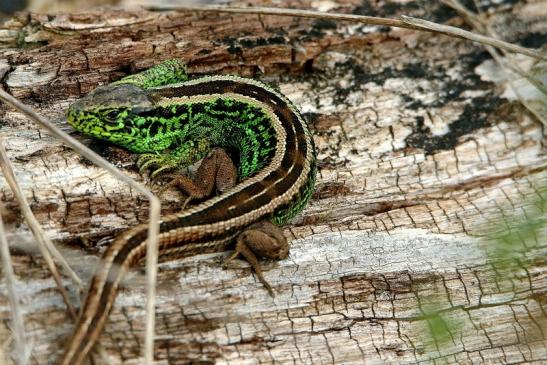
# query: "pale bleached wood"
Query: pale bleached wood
396,218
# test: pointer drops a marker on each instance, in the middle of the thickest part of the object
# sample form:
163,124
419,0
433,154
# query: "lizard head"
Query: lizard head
111,113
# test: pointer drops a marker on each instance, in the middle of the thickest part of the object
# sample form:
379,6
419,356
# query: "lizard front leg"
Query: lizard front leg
180,158
216,170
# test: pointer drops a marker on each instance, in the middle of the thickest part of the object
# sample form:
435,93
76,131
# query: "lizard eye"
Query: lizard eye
112,115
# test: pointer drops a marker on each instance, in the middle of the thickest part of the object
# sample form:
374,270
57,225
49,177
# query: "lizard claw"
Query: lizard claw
164,167
175,181
146,160
163,162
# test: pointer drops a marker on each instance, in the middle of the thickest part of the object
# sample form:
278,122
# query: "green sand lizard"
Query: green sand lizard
174,122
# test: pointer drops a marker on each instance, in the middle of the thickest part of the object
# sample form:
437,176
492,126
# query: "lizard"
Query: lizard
257,155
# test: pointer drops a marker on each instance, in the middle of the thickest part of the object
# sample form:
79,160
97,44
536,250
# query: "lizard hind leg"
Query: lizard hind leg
262,239
217,170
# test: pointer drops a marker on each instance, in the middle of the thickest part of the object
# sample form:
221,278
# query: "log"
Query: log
423,152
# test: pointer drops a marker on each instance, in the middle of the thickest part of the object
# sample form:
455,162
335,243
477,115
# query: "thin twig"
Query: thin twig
21,349
404,22
153,229
457,32
300,13
44,244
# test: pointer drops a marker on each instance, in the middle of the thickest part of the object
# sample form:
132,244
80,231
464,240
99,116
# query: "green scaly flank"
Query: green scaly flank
176,135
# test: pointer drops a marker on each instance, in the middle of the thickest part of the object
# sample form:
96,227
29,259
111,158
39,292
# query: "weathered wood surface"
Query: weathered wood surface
420,148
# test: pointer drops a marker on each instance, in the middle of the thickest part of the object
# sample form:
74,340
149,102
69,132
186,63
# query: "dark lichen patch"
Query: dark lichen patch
411,71
474,116
430,10
394,8
361,76
488,5
308,35
231,43
204,51
236,45
467,80
411,103
323,24
449,89
387,10
317,30
3,121
495,4
258,42
472,59
311,118
414,70
442,83
533,40
365,9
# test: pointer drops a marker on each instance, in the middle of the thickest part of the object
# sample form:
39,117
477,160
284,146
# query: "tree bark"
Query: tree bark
422,152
